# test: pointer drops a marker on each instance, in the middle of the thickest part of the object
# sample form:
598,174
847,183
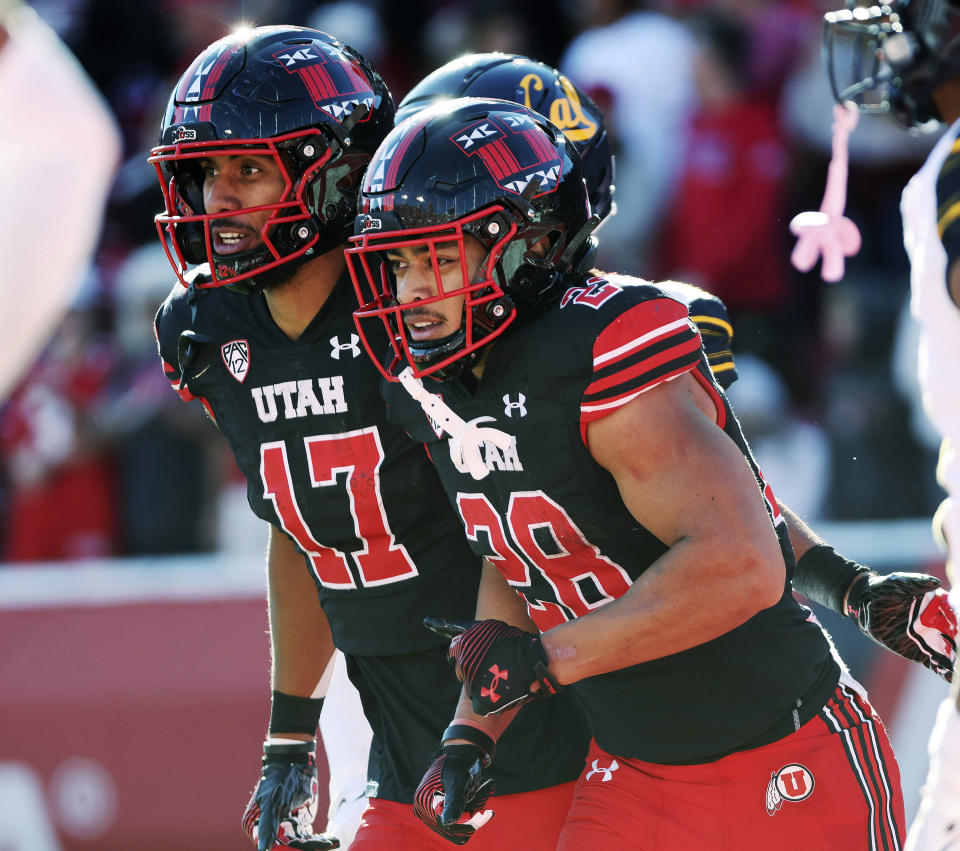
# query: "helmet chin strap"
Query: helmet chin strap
467,437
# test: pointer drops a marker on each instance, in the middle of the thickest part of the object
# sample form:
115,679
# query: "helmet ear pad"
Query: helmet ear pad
331,197
526,277
534,286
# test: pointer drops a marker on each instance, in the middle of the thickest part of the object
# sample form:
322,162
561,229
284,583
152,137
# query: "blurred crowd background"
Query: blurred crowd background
721,116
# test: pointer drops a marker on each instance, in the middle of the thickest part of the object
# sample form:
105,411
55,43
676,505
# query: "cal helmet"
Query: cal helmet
890,57
467,168
298,96
540,87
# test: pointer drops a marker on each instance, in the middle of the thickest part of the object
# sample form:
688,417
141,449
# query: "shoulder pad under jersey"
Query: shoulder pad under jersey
711,317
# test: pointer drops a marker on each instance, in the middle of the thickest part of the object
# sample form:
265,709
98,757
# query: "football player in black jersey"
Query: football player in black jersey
262,146
598,468
906,613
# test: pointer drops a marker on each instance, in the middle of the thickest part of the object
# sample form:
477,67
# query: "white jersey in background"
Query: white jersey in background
927,220
939,318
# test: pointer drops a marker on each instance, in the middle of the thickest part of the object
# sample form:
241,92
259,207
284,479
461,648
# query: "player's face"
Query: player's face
233,183
417,281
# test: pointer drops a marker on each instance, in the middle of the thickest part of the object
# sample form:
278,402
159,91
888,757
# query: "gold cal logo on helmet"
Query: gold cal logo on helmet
566,113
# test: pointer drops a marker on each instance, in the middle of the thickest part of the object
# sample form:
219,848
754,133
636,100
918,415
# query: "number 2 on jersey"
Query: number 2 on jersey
570,565
359,455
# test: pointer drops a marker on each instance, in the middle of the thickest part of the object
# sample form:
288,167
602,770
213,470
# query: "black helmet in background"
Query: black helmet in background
890,57
535,85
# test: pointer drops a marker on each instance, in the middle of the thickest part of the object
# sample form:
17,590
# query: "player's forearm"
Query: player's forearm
300,638
802,537
497,599
697,591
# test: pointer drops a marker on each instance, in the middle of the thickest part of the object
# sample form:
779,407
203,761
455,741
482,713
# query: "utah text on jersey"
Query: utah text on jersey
299,398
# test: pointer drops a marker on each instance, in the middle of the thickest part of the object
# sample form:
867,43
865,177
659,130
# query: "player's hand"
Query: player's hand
451,796
499,664
909,614
281,810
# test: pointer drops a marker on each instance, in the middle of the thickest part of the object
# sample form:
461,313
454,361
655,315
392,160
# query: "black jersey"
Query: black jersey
307,425
552,520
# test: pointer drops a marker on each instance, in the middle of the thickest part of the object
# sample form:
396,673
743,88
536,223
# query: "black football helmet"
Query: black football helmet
540,87
495,171
297,95
890,57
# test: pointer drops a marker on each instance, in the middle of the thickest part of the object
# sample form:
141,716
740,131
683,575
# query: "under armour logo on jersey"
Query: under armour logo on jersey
498,675
236,357
607,772
793,783
518,406
351,347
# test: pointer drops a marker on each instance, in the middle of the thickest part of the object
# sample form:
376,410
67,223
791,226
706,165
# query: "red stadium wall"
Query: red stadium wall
141,722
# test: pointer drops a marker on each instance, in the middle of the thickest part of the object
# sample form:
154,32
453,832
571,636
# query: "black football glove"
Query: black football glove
281,810
497,663
451,796
909,614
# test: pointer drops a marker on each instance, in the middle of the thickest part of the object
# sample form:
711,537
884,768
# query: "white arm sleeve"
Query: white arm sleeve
346,740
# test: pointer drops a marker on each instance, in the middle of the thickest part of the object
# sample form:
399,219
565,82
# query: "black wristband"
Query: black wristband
824,576
286,752
472,734
292,714
548,683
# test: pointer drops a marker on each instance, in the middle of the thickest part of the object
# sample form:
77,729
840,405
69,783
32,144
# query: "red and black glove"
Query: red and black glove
497,663
909,614
451,796
281,810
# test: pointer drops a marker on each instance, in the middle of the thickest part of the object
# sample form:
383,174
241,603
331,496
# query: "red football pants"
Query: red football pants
528,820
833,784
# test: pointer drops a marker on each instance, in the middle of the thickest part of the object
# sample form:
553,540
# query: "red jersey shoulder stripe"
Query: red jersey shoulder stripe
636,327
596,410
648,363
643,347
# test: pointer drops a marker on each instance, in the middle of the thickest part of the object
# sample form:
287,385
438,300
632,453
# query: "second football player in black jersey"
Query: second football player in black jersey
262,147
595,463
